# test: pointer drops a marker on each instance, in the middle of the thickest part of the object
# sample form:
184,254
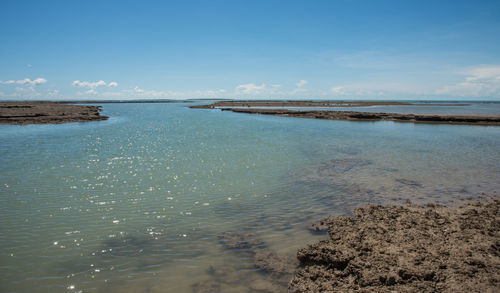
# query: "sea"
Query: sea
164,198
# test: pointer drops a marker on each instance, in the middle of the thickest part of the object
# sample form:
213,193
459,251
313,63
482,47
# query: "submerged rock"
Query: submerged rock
208,286
410,183
270,262
235,240
342,165
332,171
319,228
276,270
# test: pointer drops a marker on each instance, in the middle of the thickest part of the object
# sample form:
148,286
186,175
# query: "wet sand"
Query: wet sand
41,112
405,249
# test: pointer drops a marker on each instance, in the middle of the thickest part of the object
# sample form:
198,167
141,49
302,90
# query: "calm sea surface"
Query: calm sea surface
163,198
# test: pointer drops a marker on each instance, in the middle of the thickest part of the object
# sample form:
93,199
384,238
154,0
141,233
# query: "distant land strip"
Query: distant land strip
43,112
352,115
271,103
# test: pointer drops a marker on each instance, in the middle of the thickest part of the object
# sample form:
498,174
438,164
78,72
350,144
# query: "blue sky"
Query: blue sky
250,49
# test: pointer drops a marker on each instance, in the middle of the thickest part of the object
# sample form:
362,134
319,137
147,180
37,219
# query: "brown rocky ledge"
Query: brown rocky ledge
368,116
406,249
42,112
252,108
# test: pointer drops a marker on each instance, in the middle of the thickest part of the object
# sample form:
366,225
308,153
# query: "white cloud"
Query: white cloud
26,81
483,81
251,88
93,85
32,82
301,83
29,88
88,84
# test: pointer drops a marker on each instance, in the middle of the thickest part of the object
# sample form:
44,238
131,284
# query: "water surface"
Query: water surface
139,203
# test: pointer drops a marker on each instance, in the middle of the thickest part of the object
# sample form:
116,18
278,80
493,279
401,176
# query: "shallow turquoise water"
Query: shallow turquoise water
139,202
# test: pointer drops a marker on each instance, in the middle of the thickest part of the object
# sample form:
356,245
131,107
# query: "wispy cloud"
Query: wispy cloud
255,91
301,83
375,90
300,87
53,93
338,90
481,81
26,92
138,92
251,88
26,81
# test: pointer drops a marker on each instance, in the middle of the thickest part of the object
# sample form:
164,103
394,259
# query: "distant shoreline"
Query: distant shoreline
42,112
272,103
252,108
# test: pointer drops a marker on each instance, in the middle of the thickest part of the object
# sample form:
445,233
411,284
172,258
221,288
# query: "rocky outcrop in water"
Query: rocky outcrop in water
252,107
41,112
406,249
368,116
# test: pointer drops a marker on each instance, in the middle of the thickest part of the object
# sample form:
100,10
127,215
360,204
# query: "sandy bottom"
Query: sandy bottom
429,248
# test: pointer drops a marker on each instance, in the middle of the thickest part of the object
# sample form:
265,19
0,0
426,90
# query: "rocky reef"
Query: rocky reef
429,248
41,112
